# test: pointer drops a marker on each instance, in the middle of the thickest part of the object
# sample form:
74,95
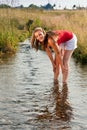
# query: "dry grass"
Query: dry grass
73,20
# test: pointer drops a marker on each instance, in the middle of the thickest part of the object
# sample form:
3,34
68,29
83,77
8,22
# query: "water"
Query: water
30,100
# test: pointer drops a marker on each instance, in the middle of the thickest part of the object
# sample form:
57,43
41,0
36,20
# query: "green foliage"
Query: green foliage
8,42
29,23
4,6
23,36
81,54
32,6
35,23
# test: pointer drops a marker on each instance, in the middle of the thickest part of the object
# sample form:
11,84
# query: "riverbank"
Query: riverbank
17,24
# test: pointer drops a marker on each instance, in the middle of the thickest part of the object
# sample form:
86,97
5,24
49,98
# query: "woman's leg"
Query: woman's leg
66,58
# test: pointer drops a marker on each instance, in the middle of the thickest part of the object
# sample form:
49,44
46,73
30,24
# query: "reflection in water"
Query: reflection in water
63,109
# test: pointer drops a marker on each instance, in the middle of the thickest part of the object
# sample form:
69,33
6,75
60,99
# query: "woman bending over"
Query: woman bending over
62,42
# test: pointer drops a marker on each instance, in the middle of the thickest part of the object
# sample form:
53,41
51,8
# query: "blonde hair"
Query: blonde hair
34,41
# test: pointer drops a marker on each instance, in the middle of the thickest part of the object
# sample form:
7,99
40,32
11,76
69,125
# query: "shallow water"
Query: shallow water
30,100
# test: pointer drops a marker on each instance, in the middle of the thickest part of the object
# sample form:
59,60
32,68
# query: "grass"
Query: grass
15,26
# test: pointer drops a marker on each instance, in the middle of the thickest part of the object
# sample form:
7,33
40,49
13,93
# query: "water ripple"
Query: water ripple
30,100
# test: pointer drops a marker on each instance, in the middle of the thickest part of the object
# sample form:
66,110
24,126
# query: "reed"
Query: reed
15,26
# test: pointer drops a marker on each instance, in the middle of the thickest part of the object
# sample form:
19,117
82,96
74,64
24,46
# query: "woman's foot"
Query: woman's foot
55,80
64,83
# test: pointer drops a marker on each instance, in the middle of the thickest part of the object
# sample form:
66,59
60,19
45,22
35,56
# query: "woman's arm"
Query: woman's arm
53,45
49,53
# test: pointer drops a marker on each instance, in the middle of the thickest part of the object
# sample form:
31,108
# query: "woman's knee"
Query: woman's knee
66,63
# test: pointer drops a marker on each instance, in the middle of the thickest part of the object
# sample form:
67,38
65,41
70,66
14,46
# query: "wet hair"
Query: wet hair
35,42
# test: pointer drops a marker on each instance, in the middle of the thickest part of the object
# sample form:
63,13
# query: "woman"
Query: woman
57,41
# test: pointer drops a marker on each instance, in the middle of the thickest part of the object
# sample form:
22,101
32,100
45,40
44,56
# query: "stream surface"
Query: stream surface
30,100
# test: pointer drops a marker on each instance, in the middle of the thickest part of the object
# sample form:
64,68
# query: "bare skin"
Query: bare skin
61,60
66,57
55,62
39,36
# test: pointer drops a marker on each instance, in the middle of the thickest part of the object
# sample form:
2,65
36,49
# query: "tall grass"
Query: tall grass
14,26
